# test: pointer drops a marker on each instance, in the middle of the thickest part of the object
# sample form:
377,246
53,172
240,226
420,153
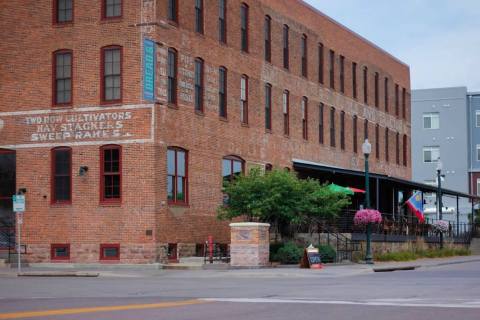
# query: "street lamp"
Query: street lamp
439,195
367,149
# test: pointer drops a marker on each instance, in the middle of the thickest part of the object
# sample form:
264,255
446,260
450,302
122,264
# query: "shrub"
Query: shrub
327,253
430,253
274,249
289,253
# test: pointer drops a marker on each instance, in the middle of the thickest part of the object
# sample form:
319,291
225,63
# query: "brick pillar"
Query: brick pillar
250,244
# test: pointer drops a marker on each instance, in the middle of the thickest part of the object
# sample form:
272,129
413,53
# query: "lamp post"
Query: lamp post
367,149
439,195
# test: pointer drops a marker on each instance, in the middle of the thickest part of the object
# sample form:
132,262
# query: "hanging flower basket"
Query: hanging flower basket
366,216
440,226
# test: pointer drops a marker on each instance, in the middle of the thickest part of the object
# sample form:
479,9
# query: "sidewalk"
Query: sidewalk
328,271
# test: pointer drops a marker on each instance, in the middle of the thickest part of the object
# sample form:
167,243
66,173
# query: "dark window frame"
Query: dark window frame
286,49
321,120
376,88
397,100
54,246
199,86
354,80
386,93
222,21
103,50
342,74
305,118
104,11
267,34
286,112
342,130
54,78
355,136
104,246
244,22
397,148
404,103
103,174
222,92
199,17
333,139
268,107
54,175
232,159
55,12
244,102
365,129
304,56
172,11
387,138
172,80
365,85
332,69
405,150
320,63
377,141
185,179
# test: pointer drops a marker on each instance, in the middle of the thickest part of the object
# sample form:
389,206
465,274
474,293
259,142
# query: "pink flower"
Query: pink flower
366,216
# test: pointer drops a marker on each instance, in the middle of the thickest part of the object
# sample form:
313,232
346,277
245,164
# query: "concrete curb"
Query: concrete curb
58,274
391,269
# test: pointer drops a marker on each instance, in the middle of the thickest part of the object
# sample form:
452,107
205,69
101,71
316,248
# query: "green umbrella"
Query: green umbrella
336,188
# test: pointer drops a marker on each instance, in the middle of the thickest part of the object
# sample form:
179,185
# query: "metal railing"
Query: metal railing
219,252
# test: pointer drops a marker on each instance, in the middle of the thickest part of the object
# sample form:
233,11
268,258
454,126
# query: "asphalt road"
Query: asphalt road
441,292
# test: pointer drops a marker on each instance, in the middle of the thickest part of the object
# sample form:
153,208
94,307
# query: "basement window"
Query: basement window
60,251
110,251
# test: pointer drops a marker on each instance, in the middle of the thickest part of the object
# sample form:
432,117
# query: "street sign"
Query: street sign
19,203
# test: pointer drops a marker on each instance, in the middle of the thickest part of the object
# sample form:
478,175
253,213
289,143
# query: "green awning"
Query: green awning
336,188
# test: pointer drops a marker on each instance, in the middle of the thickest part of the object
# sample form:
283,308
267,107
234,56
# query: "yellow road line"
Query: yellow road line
60,312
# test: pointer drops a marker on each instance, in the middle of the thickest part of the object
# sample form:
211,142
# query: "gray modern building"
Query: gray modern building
441,130
473,101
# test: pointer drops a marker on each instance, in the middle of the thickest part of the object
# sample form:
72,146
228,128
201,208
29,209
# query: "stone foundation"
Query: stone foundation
250,245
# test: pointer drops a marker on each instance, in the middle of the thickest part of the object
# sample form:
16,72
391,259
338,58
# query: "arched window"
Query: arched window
177,175
232,166
61,179
110,173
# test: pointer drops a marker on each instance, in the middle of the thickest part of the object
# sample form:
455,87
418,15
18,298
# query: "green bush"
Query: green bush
274,249
327,253
289,253
430,253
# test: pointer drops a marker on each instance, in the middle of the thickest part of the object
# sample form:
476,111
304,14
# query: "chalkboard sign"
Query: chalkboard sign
311,258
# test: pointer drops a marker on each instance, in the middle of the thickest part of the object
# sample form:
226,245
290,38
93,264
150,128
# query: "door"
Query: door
7,190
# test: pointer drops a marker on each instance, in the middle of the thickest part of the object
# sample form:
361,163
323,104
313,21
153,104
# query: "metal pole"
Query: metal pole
19,247
458,216
440,205
368,254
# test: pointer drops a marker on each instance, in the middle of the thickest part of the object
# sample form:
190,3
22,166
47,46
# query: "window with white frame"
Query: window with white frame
431,120
477,118
244,99
431,154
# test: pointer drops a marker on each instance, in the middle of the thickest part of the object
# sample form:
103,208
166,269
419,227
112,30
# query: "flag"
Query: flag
415,203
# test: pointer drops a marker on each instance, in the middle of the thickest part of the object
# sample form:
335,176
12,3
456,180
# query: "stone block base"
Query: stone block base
250,245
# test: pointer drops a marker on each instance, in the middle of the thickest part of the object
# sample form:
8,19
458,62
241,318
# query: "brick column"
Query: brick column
250,244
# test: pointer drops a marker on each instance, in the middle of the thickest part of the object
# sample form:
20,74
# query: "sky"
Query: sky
438,39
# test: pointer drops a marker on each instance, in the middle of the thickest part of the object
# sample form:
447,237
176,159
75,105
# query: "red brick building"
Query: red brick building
113,177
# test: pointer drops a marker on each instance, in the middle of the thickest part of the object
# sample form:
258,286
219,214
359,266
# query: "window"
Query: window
477,118
63,11
304,55
387,158
285,47
404,103
222,21
365,129
342,130
320,123
110,251
222,92
172,76
199,85
431,154
60,251
377,141
244,99
342,74
365,85
286,112
173,10
112,9
332,127
478,186
304,111
199,16
320,63
268,106
376,90
397,98
244,27
110,173
355,138
405,145
478,152
232,166
354,80
431,120
386,94
268,167
62,71
177,175
332,69
397,148
268,38
111,74
61,175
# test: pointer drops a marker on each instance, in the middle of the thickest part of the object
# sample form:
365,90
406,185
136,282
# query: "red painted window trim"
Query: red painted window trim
53,200
104,11
54,78
102,74
233,158
304,56
110,245
247,18
53,246
55,16
175,201
244,107
175,78
103,200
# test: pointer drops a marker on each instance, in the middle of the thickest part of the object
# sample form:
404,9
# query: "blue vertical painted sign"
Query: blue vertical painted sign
149,53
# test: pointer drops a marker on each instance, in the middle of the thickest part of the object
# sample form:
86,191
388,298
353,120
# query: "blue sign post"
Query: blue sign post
149,53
